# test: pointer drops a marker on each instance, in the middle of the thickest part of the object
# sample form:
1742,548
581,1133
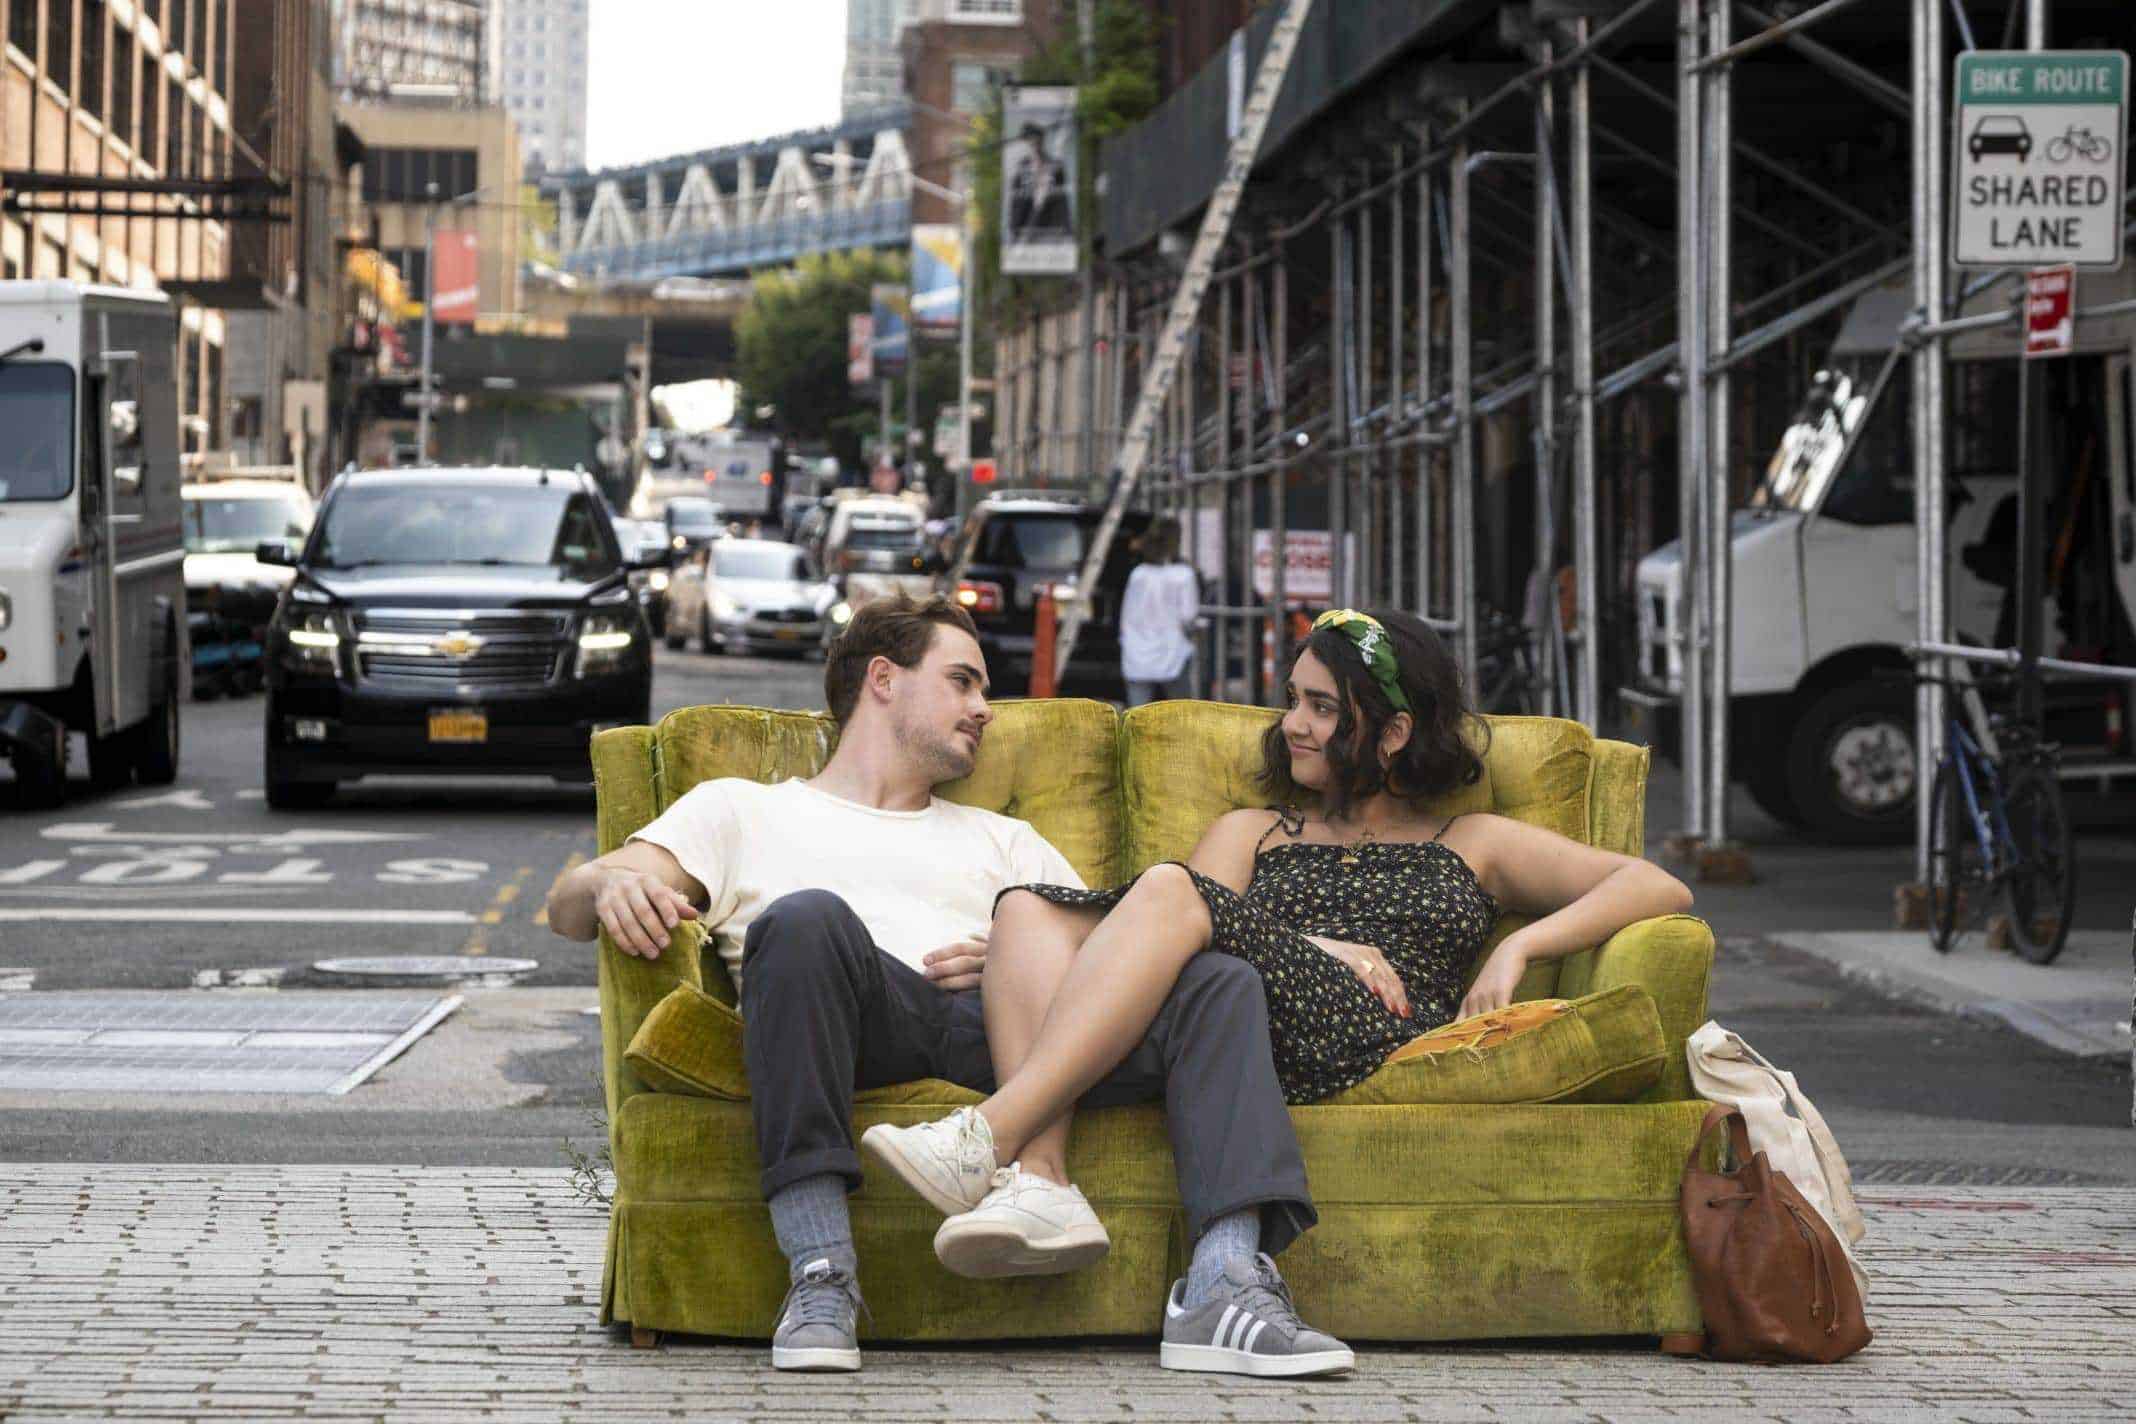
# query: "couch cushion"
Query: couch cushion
1184,763
1605,1048
691,1043
1051,762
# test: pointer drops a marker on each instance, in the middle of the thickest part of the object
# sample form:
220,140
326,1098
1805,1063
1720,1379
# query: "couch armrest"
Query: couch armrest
630,987
626,798
1669,956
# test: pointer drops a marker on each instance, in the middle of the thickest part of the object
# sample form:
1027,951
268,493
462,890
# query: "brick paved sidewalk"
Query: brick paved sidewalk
298,1293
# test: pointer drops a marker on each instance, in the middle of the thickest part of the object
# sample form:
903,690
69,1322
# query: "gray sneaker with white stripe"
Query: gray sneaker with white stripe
1248,1327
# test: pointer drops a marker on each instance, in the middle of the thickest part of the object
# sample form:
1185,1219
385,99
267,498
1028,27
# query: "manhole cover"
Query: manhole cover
396,969
198,1043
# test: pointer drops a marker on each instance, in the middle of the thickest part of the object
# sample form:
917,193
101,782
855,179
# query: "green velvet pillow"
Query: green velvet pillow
1604,1048
691,1043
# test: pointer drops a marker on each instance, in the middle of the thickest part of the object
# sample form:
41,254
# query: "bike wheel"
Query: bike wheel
2042,877
2058,150
1957,872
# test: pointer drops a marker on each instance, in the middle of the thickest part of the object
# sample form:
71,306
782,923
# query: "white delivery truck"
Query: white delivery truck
1821,733
92,546
732,470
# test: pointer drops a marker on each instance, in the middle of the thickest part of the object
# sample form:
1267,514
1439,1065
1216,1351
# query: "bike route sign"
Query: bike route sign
2037,177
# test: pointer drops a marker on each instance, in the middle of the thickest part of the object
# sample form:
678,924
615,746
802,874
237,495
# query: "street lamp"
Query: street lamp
425,396
962,198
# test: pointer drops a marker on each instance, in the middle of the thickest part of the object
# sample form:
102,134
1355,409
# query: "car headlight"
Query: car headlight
312,643
604,641
724,607
657,581
841,613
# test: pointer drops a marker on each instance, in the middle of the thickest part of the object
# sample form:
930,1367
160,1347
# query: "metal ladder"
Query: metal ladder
1186,310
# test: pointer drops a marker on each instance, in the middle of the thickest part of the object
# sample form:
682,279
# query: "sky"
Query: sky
672,76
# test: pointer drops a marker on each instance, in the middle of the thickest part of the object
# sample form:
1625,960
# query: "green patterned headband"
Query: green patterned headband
1373,646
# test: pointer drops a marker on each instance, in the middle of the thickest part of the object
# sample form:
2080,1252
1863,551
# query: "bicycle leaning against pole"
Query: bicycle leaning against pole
1997,828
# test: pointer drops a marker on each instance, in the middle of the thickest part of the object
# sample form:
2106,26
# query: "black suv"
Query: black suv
1010,547
451,622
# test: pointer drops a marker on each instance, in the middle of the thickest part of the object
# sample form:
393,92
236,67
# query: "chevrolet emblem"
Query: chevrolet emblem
457,644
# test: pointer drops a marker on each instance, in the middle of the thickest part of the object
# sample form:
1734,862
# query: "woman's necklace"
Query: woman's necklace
1350,848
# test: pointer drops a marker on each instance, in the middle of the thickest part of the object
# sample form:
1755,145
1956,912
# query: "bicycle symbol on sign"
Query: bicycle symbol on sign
2080,143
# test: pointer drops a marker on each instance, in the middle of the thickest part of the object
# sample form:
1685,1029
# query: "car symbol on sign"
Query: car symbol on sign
2000,133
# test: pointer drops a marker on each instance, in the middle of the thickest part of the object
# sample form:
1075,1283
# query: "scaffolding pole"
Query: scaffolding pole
1692,408
1930,281
1586,554
1718,195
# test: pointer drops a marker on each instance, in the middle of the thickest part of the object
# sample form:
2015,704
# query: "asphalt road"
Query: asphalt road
1915,1095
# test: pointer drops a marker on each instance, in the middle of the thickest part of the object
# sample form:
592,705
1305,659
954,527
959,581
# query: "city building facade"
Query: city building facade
538,50
874,76
433,48
135,93
953,55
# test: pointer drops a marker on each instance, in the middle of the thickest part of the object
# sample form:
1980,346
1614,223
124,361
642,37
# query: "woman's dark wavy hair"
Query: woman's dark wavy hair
1439,757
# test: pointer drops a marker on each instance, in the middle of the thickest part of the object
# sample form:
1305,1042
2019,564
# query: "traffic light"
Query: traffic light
982,472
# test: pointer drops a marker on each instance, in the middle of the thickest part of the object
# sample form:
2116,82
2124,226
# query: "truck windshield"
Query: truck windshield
37,414
228,526
456,524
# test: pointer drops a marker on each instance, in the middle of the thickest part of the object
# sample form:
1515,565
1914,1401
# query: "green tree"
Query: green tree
790,353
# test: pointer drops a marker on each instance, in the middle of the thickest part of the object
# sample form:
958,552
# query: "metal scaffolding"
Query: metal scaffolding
1430,270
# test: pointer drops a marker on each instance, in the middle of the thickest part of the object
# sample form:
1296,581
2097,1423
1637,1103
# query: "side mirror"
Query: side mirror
275,551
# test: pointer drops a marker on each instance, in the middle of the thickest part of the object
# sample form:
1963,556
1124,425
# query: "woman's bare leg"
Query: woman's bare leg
1033,943
1102,1006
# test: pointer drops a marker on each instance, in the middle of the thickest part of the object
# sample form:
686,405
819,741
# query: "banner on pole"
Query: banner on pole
455,278
1038,181
892,303
860,349
937,278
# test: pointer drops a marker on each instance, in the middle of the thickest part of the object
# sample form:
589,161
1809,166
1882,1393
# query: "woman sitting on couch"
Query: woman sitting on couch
1363,920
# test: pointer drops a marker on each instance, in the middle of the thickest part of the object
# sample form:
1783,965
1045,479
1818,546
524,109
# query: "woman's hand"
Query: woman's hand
1494,987
1371,967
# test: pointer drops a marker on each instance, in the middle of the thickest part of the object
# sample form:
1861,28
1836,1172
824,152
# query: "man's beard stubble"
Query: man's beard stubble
943,756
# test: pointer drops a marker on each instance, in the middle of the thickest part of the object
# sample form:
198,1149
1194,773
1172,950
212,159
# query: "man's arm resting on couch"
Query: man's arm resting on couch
637,893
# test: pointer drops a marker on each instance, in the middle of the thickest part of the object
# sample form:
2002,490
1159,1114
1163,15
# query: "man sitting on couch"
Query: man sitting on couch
852,908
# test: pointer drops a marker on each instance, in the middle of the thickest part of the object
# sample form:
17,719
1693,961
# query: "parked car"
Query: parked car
451,621
1009,548
645,543
752,595
230,595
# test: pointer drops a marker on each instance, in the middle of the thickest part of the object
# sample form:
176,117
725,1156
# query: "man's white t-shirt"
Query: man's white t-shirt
918,880
1160,605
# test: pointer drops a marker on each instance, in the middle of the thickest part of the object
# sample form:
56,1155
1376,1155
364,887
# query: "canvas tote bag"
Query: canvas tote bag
1784,1125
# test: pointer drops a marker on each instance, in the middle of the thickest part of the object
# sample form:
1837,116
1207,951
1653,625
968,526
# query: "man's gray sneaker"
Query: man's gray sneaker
1248,1327
949,1161
816,1329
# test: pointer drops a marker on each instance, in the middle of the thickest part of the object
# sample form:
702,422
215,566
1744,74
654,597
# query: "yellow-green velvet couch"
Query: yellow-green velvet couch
1440,1221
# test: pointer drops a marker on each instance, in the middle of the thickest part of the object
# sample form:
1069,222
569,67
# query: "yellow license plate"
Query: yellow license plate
786,634
459,726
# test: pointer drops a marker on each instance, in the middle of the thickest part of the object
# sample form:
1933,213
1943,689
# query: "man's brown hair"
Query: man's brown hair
900,628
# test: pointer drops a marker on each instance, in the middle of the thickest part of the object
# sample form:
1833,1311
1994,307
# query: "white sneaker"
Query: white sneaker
950,1162
1025,1226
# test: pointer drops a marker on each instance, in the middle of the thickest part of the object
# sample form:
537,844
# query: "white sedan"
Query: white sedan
750,595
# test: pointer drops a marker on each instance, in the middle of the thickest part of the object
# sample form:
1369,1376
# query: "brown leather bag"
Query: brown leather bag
1772,1280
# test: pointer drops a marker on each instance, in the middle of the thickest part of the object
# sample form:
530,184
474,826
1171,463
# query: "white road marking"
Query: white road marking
143,914
34,870
183,800
279,840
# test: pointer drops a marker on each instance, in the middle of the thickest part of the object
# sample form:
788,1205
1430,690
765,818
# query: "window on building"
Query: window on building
971,85
122,82
59,46
196,47
414,266
995,12
221,32
151,132
404,175
90,89
10,269
22,27
174,164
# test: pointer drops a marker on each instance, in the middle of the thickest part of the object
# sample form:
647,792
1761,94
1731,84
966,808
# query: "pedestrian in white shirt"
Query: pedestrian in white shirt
1157,617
